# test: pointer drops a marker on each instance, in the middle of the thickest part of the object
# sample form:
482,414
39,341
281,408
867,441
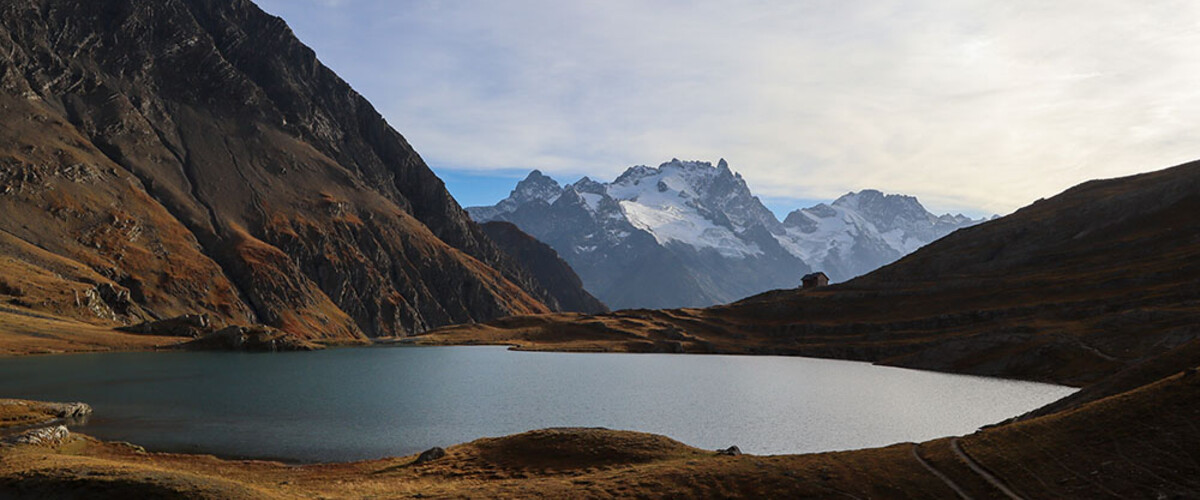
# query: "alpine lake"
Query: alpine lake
362,403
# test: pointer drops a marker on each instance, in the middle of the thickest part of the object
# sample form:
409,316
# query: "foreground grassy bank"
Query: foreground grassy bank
24,332
1136,443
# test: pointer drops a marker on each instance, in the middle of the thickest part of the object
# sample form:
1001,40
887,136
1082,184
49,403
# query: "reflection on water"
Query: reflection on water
346,404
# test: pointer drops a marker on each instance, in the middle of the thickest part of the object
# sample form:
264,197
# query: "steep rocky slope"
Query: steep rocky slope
1070,290
192,156
563,287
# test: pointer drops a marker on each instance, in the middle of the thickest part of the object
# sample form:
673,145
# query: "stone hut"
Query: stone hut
815,280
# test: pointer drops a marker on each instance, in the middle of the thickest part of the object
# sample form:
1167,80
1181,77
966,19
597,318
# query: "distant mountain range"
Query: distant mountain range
688,233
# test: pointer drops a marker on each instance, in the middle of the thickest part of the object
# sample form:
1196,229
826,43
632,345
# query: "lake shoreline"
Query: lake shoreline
1035,458
116,341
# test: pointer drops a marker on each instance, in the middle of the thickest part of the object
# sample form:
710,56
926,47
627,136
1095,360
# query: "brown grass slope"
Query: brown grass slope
192,156
1068,290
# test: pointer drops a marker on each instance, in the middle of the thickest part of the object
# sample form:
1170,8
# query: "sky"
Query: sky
973,106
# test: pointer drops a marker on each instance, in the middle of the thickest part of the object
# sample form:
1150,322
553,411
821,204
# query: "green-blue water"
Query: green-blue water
347,404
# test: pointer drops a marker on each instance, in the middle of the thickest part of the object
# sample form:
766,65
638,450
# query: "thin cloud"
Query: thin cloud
982,106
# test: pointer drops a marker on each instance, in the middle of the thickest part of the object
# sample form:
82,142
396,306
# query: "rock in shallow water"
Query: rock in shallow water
70,410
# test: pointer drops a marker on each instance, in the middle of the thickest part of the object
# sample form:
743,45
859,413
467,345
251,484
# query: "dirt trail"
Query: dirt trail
979,469
945,479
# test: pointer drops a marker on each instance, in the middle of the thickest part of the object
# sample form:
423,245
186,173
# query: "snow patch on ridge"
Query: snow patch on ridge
669,223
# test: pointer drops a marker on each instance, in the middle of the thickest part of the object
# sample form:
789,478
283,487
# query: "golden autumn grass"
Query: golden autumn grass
25,332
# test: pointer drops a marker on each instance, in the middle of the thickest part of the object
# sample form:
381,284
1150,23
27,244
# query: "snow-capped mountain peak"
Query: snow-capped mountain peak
536,186
862,231
888,211
692,233
674,203
587,185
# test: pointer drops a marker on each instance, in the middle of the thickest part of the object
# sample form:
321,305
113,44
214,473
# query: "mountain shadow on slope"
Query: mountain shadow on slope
551,272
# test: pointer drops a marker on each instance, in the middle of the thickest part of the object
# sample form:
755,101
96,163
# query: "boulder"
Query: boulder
731,451
430,455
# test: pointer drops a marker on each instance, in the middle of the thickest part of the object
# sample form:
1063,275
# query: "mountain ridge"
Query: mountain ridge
712,240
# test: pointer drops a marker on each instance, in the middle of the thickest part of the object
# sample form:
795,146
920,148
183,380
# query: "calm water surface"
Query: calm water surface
348,404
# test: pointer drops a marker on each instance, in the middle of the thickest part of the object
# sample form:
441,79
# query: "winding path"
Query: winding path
975,466
945,479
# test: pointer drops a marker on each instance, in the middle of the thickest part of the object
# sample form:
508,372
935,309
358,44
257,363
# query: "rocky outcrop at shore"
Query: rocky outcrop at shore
40,436
69,410
258,338
16,413
37,423
187,325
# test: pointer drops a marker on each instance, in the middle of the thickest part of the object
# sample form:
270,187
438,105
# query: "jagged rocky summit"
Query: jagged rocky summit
689,233
193,157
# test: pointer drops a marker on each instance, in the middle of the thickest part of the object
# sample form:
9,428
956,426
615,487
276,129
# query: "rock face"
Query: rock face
192,157
688,233
563,287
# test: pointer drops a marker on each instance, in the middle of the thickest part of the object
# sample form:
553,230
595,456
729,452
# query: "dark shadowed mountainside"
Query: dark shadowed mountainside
562,285
192,156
